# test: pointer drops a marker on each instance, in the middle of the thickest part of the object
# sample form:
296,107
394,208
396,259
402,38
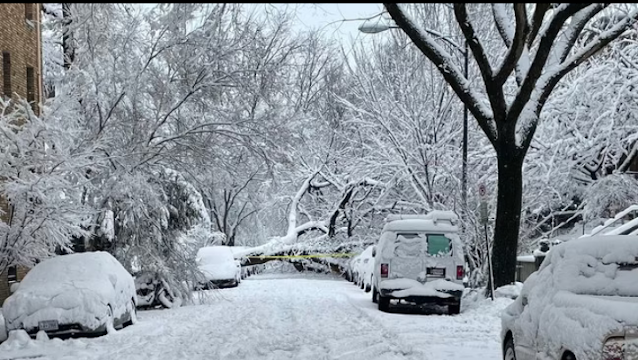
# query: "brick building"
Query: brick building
20,77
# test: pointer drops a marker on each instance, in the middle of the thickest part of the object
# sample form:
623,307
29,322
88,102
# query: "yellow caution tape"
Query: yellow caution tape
302,256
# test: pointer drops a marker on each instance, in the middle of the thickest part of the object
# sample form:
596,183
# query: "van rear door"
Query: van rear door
439,260
408,259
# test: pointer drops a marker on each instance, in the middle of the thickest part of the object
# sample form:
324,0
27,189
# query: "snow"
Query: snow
509,291
582,287
74,288
591,265
3,329
409,287
526,258
418,225
291,316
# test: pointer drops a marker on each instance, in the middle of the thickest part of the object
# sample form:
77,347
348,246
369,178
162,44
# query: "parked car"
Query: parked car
218,266
582,303
82,293
418,260
351,274
365,266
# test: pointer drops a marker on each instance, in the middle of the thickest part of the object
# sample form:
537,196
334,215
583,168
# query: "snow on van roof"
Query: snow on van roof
435,215
419,225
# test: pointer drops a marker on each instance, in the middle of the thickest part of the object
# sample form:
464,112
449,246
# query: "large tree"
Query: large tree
542,43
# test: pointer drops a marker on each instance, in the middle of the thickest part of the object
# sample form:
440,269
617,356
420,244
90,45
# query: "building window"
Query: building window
31,87
28,11
12,274
6,74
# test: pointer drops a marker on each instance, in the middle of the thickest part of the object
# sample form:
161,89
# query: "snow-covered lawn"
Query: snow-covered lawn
285,317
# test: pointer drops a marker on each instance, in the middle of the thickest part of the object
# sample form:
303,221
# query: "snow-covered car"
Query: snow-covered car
419,260
218,266
82,293
582,303
365,267
351,274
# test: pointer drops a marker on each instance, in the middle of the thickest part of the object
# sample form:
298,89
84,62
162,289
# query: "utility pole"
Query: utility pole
464,168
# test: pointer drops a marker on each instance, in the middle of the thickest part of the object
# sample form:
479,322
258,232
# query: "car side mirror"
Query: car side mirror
374,251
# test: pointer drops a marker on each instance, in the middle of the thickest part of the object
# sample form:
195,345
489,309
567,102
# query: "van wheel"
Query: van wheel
384,303
375,295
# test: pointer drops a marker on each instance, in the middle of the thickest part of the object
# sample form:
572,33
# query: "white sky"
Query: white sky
329,18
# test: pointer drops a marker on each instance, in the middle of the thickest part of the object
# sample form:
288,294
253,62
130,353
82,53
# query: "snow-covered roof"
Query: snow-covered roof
419,225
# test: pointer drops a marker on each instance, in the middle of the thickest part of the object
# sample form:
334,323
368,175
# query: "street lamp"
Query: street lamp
375,28
380,27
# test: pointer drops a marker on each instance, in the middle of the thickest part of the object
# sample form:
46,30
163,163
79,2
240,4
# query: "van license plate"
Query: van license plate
436,272
48,325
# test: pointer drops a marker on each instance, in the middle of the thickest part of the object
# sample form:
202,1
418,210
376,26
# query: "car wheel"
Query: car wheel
384,303
132,314
568,356
110,321
375,295
508,351
454,309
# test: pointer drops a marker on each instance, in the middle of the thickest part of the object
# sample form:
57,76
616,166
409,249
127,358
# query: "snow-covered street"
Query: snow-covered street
285,316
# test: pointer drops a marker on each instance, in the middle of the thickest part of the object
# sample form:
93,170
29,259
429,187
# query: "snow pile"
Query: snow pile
509,291
75,288
409,287
585,285
17,339
3,329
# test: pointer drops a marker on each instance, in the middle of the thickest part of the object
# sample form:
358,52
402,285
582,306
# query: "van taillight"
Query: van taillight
459,272
384,270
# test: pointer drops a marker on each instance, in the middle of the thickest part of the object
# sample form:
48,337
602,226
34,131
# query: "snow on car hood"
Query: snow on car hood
222,271
409,287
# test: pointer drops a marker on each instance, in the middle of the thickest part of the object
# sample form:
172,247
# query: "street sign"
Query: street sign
482,190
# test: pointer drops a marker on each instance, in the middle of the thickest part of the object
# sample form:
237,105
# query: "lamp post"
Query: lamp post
380,27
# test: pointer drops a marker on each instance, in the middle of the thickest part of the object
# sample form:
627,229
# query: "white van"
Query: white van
419,259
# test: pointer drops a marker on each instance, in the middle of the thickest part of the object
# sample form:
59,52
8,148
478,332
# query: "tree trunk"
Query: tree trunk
67,39
508,217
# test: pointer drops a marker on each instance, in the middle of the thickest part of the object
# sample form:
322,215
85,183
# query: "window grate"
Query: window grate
28,11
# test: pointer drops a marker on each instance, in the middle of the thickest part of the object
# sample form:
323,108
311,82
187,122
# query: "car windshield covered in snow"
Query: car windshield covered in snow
215,255
590,267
